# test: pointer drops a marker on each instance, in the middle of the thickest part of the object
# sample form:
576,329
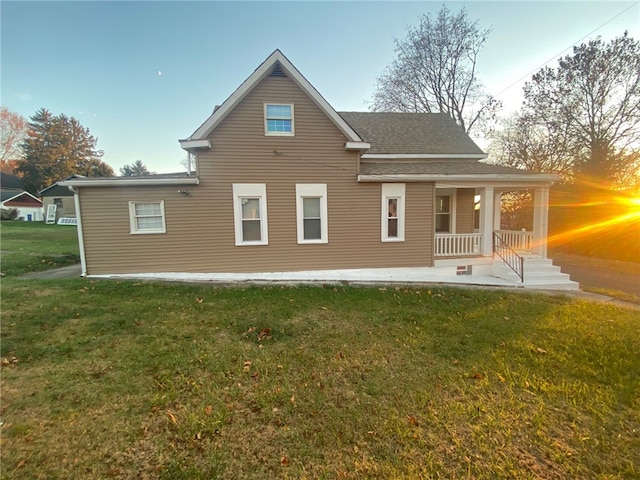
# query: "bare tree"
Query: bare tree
593,97
189,163
523,143
13,128
435,71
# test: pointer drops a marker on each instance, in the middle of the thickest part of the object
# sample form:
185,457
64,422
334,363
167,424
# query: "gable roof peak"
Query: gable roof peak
278,62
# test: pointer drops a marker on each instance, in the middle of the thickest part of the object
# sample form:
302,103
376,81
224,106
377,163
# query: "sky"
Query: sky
141,75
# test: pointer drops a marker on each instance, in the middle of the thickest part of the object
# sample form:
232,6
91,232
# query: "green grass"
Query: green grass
114,379
34,246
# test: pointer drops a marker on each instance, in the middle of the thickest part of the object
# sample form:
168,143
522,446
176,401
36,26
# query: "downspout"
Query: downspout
83,260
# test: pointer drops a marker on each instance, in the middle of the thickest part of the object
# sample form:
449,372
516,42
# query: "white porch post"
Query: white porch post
540,221
486,219
497,210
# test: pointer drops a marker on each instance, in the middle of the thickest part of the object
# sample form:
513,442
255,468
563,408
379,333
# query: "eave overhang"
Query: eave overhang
357,146
195,144
130,181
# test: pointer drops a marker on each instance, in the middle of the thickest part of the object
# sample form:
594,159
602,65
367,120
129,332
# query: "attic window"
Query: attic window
278,119
277,71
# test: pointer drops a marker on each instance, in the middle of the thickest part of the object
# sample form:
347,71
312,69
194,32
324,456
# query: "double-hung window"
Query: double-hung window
311,211
393,201
278,119
250,213
147,217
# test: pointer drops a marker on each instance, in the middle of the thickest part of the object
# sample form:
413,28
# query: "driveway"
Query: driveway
597,273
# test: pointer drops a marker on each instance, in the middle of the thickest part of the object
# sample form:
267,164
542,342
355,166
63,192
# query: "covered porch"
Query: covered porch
459,233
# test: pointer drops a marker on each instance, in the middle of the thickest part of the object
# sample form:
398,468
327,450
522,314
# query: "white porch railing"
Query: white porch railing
518,240
458,245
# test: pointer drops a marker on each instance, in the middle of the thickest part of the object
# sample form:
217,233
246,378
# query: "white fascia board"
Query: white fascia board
471,180
19,195
128,181
357,146
230,103
193,144
432,156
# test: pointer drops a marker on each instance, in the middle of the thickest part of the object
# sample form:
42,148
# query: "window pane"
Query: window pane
147,209
250,208
393,228
312,229
278,125
442,204
148,223
279,111
311,207
443,222
251,231
393,208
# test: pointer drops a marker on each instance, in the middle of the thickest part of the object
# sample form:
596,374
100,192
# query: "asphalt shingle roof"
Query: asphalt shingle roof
438,168
411,133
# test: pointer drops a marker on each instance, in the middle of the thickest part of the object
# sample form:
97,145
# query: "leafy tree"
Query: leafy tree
13,128
55,147
592,97
136,169
435,71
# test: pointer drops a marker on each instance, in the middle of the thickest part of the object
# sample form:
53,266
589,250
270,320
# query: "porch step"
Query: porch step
539,273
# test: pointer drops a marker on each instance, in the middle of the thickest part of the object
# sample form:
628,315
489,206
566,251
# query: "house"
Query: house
59,201
284,183
12,195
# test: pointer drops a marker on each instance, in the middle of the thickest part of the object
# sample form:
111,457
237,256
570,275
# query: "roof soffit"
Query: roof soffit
249,84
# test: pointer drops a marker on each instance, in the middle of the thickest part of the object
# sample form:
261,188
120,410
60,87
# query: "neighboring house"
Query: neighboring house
285,183
12,195
61,198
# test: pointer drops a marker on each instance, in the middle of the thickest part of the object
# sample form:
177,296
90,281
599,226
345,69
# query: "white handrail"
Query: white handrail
458,245
518,240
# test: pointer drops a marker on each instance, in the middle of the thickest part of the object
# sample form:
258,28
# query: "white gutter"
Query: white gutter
127,181
432,156
83,258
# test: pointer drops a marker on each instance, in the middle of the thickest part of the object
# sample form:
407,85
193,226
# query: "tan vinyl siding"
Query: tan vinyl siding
464,210
200,227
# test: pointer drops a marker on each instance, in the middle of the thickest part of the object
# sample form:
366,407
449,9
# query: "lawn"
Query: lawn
112,379
34,246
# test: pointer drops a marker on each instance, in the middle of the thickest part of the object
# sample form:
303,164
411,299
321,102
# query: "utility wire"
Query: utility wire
564,50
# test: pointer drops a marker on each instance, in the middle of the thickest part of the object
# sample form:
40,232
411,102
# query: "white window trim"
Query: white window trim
312,190
253,190
392,190
452,194
134,230
279,134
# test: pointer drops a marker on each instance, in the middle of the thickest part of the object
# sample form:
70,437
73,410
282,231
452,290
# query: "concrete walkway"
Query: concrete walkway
370,277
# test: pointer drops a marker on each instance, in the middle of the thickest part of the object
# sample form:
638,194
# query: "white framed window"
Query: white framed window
393,202
147,217
311,212
250,213
278,119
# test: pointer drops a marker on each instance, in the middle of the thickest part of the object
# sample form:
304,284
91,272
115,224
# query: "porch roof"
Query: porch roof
448,171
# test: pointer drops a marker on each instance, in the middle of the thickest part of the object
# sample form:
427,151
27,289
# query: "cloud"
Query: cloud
23,96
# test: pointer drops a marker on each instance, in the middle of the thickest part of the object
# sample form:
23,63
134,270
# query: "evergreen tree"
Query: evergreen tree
55,147
136,169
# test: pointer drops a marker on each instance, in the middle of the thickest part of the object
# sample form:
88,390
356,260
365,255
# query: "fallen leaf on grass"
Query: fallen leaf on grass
246,366
264,333
284,461
172,417
477,376
413,421
208,410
